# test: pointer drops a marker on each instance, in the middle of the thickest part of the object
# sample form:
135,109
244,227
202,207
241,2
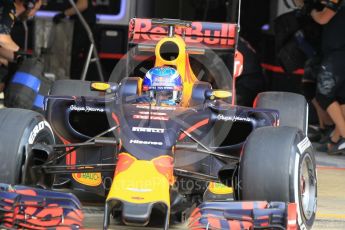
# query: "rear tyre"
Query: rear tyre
292,107
19,129
278,164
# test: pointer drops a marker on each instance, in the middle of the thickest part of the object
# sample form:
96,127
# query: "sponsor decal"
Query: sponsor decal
152,113
86,109
238,64
147,130
146,117
36,130
161,86
139,189
221,117
155,107
199,32
137,198
303,145
139,142
90,179
292,222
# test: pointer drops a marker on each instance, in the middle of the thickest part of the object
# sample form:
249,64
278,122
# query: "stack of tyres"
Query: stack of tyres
28,86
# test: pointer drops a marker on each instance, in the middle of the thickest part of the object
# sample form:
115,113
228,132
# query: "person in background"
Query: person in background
81,42
7,19
10,10
320,130
330,91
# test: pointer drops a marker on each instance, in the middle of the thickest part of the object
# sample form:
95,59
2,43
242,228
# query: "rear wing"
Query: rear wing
195,52
217,36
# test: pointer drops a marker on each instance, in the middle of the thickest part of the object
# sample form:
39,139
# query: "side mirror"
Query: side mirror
104,87
218,94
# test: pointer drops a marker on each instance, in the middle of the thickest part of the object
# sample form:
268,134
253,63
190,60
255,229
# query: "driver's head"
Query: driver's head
164,85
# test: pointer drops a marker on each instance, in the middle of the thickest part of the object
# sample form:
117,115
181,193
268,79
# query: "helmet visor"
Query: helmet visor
169,97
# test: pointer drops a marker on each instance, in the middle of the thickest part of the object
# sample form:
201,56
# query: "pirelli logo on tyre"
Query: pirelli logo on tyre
303,145
40,126
89,179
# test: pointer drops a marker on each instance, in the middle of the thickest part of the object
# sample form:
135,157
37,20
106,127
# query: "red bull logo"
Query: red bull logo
200,32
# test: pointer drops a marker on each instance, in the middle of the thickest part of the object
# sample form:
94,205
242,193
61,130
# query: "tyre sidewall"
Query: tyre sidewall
265,173
31,131
38,131
302,149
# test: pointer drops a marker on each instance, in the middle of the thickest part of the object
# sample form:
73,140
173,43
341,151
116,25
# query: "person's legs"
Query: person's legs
324,118
341,98
308,87
330,82
336,142
335,112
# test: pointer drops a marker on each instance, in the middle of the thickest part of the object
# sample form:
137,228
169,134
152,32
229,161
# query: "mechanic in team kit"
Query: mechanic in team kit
330,92
10,10
80,42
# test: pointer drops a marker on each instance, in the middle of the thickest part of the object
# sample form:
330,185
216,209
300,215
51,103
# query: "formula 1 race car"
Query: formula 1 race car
201,157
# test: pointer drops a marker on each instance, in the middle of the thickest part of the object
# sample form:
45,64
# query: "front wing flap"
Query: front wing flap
24,207
243,215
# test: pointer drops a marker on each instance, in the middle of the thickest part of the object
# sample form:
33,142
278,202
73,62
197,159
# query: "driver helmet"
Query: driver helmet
163,85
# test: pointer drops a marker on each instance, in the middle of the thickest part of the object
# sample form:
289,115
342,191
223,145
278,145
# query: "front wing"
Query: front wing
244,215
24,207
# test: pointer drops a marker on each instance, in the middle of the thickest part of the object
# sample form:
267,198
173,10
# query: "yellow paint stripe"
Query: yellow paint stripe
329,215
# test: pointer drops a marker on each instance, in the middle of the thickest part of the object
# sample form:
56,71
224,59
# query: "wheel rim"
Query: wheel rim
307,182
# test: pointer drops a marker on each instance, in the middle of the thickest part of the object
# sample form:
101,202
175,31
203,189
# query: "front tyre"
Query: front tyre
21,128
278,164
